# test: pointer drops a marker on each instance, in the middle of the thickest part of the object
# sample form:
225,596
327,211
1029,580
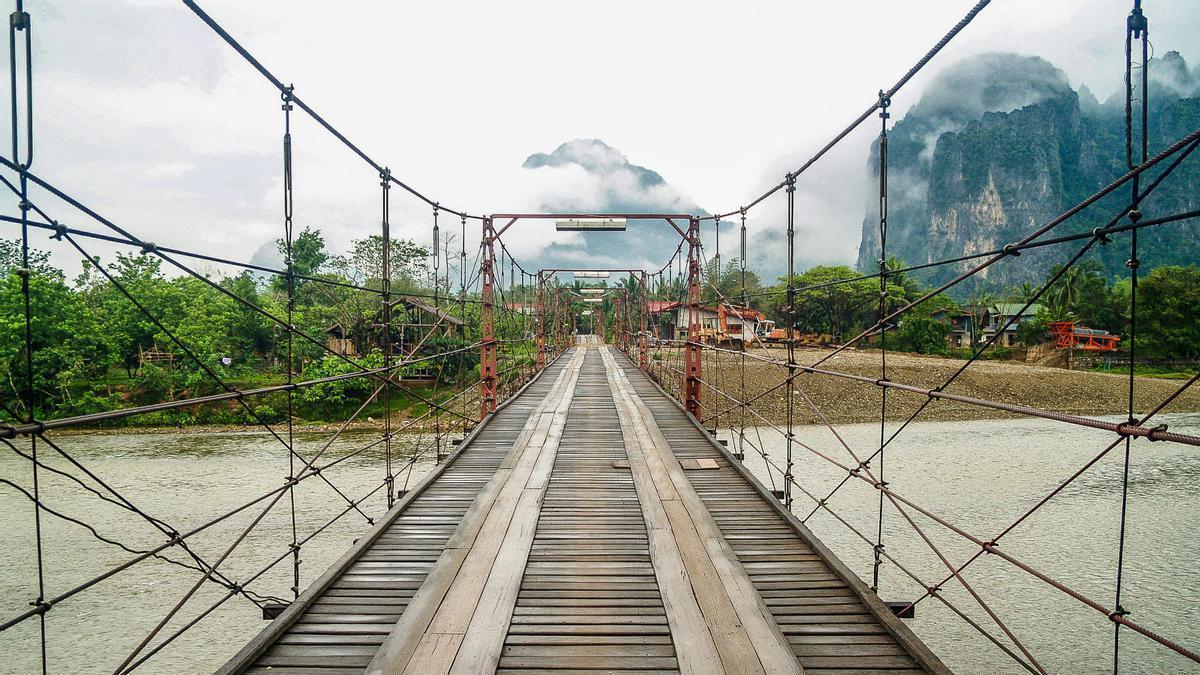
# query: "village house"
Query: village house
669,320
412,322
982,321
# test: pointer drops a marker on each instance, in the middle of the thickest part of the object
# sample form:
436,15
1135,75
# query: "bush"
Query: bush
923,335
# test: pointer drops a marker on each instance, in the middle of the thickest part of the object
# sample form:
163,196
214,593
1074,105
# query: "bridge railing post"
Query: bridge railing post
385,182
540,320
643,356
693,365
487,348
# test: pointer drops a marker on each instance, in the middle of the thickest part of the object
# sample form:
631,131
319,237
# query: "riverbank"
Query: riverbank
843,400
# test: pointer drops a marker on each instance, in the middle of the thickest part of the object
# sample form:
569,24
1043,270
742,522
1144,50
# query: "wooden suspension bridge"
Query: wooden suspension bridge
587,521
590,525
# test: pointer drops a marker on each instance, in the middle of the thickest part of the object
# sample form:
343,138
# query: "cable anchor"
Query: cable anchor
1137,23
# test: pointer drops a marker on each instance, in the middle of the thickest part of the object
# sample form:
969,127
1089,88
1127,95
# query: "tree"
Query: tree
1082,294
922,334
407,262
308,257
66,343
1167,301
129,328
832,299
728,284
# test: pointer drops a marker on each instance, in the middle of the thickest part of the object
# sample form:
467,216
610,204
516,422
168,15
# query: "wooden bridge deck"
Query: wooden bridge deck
588,526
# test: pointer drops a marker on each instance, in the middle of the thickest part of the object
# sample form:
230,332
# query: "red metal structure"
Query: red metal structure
1069,336
693,365
487,348
643,311
540,313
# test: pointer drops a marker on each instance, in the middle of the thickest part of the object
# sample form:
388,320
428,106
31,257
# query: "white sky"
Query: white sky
146,115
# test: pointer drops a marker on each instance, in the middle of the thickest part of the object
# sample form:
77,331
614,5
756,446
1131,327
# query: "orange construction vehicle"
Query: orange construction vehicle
768,335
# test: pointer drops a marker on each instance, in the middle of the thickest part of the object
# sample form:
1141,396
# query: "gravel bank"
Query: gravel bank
847,401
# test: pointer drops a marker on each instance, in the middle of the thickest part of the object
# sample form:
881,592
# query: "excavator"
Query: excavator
733,335
768,336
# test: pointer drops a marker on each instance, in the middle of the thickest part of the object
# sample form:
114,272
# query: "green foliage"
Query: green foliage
1033,332
336,395
831,299
728,284
1082,294
1167,302
922,334
67,342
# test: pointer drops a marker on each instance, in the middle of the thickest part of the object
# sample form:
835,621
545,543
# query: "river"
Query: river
979,475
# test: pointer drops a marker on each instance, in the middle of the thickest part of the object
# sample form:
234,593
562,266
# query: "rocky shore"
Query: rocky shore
843,400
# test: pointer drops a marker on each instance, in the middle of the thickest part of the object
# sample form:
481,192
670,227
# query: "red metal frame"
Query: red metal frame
693,364
1068,336
487,347
541,322
643,356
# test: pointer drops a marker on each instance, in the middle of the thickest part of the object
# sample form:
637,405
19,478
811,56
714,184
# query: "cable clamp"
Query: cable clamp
385,178
24,205
41,606
1133,263
370,520
1160,429
149,247
22,272
19,20
884,102
1137,24
989,545
60,230
1101,236
1117,614
287,97
878,548
1135,215
1011,249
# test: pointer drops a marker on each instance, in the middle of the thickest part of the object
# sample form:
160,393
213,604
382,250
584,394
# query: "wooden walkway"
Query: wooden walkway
589,525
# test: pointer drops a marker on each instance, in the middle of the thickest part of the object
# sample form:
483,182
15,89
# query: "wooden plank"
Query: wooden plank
427,637
886,620
742,626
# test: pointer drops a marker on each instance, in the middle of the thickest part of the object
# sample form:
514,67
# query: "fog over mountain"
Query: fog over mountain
1000,144
588,175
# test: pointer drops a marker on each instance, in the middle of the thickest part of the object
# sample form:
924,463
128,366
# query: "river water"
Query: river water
979,475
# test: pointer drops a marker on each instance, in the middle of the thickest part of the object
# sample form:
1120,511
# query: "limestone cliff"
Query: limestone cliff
1001,144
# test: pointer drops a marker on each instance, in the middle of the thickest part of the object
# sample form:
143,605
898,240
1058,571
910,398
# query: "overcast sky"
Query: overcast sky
146,115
